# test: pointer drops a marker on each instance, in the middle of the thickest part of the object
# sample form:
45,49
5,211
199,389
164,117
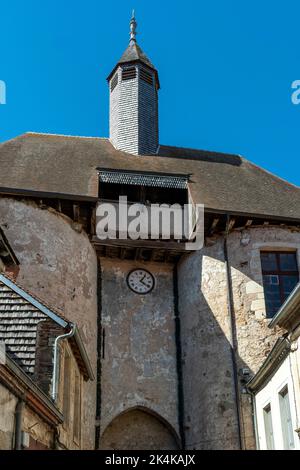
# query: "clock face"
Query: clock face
140,281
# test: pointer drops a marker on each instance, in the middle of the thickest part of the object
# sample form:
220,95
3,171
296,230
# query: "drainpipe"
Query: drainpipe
100,354
254,417
55,361
18,424
232,332
179,360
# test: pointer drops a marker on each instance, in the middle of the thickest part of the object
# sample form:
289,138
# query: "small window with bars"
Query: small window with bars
114,83
280,276
129,73
146,76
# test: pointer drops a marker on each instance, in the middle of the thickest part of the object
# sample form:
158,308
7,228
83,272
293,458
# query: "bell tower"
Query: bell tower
133,90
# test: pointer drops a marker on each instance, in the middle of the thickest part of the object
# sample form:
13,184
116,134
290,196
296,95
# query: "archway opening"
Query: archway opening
137,429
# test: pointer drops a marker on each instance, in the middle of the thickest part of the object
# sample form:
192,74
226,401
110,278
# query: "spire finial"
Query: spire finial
133,25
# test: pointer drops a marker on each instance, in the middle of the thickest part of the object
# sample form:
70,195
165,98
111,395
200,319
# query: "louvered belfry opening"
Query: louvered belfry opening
128,73
146,76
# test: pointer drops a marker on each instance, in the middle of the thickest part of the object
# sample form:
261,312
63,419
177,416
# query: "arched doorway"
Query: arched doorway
138,429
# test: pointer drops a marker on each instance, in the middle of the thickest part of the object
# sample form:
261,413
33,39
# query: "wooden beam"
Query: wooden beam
214,224
231,224
149,244
249,222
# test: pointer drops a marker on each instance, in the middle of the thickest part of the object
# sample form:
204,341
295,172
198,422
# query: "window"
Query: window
128,74
77,408
286,420
280,276
268,427
66,391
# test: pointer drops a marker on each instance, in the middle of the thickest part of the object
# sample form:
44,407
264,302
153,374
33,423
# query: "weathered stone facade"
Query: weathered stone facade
207,336
139,370
139,350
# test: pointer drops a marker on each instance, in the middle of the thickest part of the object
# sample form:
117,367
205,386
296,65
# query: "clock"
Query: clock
140,281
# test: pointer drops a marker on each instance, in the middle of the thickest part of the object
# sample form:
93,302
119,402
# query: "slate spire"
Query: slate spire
134,83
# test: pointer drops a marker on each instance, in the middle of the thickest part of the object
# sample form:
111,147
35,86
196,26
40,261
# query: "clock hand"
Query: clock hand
144,283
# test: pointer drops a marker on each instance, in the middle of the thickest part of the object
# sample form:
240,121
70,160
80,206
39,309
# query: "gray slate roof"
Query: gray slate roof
134,53
67,166
19,320
18,327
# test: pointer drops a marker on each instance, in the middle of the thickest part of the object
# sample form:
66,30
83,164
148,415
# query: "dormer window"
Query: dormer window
143,187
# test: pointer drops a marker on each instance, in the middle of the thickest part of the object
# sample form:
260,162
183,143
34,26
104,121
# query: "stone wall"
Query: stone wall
39,431
210,405
139,352
59,265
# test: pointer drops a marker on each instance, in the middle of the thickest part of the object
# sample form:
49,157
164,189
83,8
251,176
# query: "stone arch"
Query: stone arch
139,428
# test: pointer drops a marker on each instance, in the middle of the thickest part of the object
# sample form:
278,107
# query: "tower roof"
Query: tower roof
133,52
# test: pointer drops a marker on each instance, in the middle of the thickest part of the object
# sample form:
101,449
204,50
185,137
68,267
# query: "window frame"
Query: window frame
279,273
77,408
268,426
286,420
66,388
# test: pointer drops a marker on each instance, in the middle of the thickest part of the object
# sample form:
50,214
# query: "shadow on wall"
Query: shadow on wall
213,382
139,429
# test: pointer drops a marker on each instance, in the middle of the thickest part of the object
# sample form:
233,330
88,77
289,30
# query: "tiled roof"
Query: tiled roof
133,53
18,327
60,166
20,314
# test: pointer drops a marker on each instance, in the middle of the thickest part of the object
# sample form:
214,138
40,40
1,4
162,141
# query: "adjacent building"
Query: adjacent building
276,385
43,365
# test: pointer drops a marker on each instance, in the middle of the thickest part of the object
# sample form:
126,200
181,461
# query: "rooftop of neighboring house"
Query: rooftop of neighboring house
21,317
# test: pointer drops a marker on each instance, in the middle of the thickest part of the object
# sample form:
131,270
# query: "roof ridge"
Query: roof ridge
193,149
62,135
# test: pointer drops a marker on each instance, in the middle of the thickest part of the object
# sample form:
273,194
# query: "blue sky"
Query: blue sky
225,67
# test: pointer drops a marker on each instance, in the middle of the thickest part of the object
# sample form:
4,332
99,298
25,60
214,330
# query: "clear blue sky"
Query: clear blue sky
225,67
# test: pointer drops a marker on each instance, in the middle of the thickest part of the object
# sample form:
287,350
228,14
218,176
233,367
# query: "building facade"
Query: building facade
276,385
171,362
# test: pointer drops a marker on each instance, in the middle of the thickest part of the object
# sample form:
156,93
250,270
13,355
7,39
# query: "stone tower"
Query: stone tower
133,88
